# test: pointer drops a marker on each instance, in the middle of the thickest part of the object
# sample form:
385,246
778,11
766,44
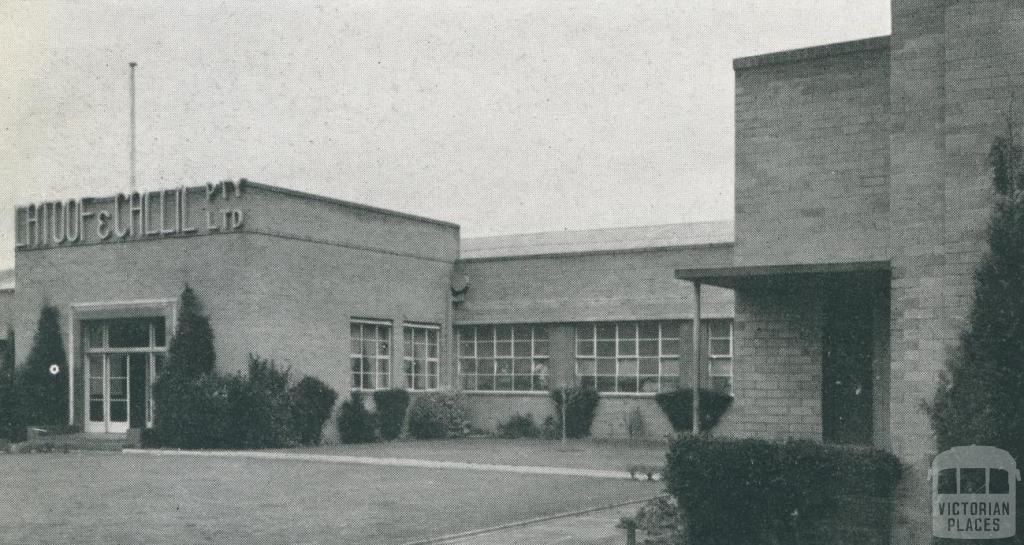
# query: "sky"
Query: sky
508,116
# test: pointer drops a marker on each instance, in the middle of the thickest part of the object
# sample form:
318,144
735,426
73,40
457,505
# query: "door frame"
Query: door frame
79,312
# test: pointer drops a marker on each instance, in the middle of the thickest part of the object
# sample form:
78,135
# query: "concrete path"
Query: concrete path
396,462
597,527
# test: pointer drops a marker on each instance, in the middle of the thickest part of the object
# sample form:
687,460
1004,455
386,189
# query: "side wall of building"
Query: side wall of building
561,291
812,155
590,287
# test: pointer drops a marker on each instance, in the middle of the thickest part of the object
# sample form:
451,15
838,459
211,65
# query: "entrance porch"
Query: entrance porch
811,353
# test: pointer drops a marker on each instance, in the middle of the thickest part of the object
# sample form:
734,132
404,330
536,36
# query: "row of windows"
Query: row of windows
628,357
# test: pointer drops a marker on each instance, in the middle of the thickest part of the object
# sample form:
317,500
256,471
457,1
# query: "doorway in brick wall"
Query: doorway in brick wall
849,347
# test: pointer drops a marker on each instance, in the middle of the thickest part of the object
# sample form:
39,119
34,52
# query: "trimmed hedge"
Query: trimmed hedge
753,491
519,425
312,401
437,415
391,406
355,423
678,408
579,413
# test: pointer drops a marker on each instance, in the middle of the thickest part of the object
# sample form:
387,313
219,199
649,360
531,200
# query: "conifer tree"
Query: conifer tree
8,393
179,408
7,359
980,397
44,395
191,350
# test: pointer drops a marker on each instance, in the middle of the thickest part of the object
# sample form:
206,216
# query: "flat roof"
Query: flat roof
348,204
748,276
616,239
296,193
815,52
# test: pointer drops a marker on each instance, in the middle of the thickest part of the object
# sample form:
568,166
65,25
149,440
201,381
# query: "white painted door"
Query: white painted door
109,395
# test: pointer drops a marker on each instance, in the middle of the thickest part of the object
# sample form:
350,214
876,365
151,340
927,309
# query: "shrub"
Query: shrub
437,415
150,438
579,412
550,429
678,408
194,411
391,407
636,428
355,424
44,396
754,491
260,410
312,401
519,425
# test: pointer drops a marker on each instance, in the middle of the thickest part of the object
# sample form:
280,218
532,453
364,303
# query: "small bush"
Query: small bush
550,429
754,491
437,415
580,411
260,409
636,427
391,407
312,401
193,412
678,408
519,425
355,424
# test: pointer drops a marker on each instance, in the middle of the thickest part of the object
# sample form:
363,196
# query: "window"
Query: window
628,356
503,358
421,361
371,354
720,355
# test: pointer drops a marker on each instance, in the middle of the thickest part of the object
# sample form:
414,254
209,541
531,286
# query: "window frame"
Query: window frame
717,359
378,371
539,382
664,380
409,356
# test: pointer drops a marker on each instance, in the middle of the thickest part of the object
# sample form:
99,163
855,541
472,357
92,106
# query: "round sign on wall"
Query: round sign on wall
54,369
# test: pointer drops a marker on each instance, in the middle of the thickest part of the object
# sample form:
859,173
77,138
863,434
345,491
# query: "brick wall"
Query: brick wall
777,365
285,297
590,287
812,155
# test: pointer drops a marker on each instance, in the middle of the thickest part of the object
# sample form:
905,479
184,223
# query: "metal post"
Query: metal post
131,114
696,357
565,402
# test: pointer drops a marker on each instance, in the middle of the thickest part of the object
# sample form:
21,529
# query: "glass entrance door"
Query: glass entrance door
122,359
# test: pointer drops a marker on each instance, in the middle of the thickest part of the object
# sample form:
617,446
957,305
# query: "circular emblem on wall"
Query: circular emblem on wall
54,369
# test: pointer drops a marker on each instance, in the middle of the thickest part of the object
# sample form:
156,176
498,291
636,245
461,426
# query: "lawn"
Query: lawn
140,498
585,453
